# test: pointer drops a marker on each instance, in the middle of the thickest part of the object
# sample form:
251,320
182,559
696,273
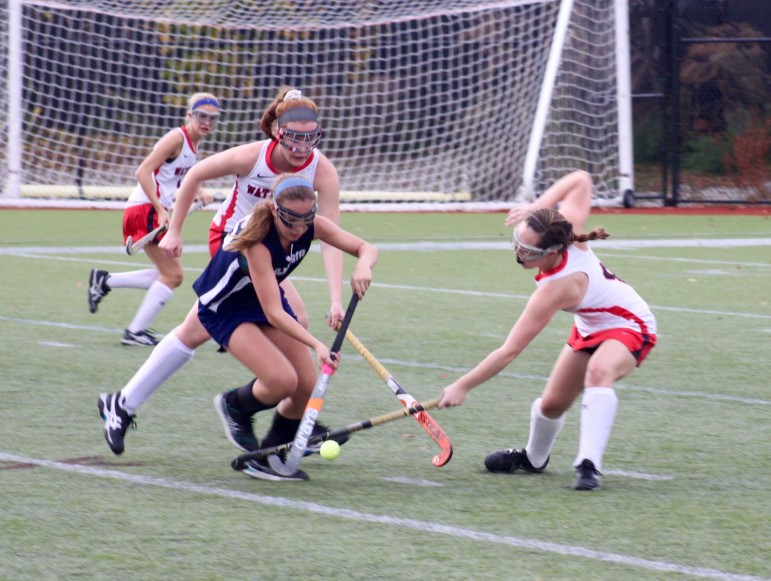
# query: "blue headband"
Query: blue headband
291,183
205,101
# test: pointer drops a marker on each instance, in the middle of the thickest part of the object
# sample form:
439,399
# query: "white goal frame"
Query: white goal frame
546,144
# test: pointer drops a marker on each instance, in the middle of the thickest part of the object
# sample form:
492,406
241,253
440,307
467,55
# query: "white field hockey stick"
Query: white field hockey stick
425,420
133,248
314,405
238,463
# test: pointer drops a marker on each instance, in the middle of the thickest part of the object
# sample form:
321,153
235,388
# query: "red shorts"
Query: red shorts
138,221
216,236
638,343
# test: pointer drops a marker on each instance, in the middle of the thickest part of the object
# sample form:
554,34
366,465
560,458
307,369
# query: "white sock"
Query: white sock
598,411
133,279
157,296
543,433
167,358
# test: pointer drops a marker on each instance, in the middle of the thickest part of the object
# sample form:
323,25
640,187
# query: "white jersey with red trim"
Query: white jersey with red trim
609,302
168,177
248,190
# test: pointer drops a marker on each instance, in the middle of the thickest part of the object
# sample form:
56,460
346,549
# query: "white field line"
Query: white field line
438,290
606,471
636,475
388,520
446,245
525,297
425,246
413,481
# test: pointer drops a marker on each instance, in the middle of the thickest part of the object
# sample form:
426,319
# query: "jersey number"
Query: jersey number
609,275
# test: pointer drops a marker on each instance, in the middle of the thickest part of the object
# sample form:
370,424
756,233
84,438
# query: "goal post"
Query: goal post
583,118
435,100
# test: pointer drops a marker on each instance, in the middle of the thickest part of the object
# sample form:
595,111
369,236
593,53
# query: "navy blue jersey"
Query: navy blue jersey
225,292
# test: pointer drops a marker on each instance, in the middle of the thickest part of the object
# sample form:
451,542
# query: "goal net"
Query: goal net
419,99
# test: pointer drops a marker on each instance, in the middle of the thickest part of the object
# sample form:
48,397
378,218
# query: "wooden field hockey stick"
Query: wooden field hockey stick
429,424
314,405
133,248
239,462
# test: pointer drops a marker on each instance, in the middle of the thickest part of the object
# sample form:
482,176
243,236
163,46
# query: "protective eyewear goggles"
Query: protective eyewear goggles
299,141
292,219
204,117
527,252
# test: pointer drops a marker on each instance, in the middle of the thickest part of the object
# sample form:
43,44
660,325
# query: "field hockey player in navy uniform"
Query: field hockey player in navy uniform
613,332
293,129
158,177
243,308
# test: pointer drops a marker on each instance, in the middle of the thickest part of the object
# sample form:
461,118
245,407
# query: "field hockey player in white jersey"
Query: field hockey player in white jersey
293,129
613,332
147,209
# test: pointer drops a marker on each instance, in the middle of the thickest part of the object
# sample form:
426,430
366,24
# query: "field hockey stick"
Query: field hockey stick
133,248
314,405
425,420
238,463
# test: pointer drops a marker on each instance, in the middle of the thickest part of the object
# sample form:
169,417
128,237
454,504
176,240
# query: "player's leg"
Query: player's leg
100,282
161,290
298,307
177,348
290,409
252,346
547,416
610,362
281,364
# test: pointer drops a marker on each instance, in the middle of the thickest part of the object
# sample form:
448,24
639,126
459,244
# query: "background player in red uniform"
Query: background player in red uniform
148,206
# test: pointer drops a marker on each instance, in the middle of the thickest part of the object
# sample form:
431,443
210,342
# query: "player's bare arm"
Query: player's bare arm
168,147
330,233
232,161
572,192
327,184
540,309
264,282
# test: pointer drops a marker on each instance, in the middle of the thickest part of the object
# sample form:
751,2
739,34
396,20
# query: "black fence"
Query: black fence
701,88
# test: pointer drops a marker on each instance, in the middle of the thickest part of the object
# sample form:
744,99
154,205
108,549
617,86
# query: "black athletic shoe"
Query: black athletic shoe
261,469
143,338
238,426
320,428
587,476
510,460
97,288
116,421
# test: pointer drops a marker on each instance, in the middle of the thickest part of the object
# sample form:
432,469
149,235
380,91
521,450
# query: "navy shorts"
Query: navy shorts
226,320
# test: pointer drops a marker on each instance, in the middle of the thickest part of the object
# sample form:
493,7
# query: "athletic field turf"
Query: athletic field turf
687,471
